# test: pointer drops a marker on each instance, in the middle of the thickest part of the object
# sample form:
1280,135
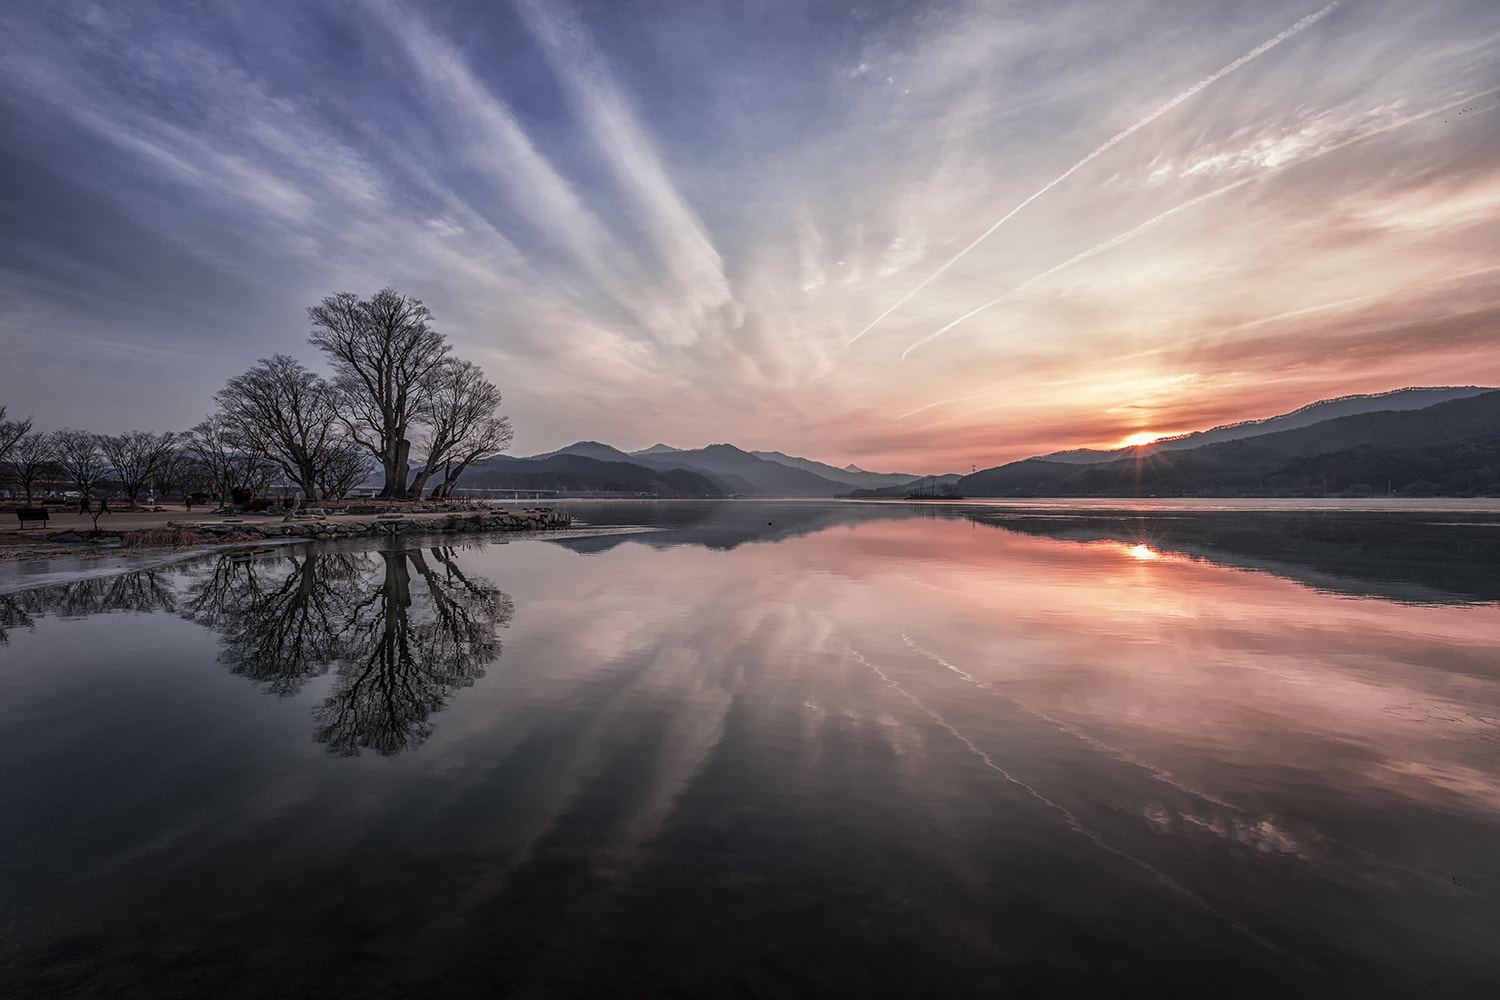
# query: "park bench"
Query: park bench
25,514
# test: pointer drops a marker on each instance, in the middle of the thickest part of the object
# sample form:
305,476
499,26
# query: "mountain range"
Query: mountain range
718,470
1355,446
1418,441
1312,413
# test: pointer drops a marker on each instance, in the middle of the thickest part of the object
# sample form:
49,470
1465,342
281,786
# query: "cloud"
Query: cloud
664,222
695,285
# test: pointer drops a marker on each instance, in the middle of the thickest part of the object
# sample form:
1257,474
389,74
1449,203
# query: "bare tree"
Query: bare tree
348,465
489,437
78,457
30,460
285,412
134,457
384,354
11,433
228,465
176,470
458,410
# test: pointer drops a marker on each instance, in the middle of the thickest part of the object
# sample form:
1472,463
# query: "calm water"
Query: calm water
768,750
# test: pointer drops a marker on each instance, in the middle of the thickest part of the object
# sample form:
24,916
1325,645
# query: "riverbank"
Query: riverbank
73,535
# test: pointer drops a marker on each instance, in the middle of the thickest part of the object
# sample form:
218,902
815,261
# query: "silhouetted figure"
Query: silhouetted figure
104,505
84,507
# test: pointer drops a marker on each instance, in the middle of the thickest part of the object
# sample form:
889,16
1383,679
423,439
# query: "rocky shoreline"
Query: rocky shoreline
172,533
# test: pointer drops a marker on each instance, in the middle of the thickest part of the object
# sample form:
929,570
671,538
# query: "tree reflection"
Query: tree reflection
409,643
280,618
400,629
132,592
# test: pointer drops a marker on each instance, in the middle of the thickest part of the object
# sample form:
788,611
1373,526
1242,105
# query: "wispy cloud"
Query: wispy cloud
696,286
1100,150
663,222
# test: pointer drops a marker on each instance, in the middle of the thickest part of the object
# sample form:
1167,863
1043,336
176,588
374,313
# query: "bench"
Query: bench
25,514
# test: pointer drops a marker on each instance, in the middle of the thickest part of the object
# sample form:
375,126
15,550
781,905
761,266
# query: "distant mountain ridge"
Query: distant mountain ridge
1413,398
583,473
1446,447
849,475
1419,440
722,470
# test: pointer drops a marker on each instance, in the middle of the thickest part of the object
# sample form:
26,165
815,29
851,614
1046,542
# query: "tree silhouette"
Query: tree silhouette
282,411
135,457
384,354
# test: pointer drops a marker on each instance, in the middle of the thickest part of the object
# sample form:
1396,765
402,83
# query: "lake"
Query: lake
768,749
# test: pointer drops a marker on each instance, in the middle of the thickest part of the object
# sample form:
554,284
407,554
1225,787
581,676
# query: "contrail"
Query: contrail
1124,237
1075,824
1446,279
1109,144
1165,777
1108,244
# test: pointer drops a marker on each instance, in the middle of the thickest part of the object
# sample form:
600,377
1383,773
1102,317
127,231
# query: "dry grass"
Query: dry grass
167,536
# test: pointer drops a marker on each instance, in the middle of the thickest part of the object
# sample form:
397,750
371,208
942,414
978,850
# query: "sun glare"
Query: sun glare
1144,437
1143,553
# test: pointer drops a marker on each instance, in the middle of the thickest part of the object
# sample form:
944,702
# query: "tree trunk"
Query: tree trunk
307,481
451,478
402,469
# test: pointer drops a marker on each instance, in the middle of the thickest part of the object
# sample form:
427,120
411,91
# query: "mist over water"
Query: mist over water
769,749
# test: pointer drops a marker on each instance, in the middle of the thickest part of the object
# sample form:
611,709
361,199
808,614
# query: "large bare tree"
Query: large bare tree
384,354
459,412
135,456
283,411
77,454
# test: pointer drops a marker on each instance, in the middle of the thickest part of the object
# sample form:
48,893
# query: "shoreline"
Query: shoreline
176,530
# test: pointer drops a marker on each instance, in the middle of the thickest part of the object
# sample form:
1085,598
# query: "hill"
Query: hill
729,469
1415,398
750,474
580,473
1450,447
849,475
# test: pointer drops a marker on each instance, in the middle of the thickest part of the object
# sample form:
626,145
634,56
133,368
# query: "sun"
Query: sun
1143,437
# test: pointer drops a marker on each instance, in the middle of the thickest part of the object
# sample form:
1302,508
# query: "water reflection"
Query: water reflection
129,592
282,619
1397,553
400,629
805,752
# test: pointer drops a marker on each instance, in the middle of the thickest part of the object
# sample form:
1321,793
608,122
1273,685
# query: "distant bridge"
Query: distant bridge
501,494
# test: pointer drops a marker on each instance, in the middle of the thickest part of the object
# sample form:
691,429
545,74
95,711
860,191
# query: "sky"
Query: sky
915,236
